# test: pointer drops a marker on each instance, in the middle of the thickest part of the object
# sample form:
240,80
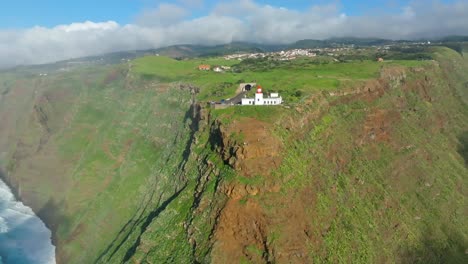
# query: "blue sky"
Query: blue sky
27,13
48,13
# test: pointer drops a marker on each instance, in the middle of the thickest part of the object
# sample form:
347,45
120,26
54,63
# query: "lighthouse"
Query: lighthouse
272,99
259,96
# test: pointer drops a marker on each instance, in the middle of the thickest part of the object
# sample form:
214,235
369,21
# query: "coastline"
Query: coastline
15,192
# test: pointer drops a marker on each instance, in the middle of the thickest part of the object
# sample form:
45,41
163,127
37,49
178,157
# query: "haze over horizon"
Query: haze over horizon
33,33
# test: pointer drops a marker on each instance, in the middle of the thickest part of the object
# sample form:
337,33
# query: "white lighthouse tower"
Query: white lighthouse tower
259,96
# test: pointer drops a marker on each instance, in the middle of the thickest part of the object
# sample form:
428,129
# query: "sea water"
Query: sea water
24,238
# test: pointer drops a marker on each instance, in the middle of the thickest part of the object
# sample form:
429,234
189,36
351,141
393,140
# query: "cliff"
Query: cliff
126,169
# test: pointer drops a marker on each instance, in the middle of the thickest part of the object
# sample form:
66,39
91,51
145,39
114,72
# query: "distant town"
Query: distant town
280,55
292,54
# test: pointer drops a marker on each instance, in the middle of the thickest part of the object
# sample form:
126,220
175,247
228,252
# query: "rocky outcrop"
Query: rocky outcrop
249,146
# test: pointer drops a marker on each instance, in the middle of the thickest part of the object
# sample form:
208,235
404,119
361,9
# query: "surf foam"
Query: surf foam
24,238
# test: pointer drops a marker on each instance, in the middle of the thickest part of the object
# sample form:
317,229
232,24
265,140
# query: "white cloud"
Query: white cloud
164,15
88,25
243,20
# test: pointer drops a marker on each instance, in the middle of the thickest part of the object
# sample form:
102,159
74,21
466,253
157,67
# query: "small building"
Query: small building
380,60
217,69
273,99
204,67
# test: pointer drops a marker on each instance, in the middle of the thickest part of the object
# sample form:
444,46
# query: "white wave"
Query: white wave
3,226
24,238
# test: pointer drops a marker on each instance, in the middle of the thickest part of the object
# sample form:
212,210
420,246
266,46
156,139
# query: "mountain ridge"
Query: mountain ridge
181,51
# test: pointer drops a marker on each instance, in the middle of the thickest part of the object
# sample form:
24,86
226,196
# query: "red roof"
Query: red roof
204,66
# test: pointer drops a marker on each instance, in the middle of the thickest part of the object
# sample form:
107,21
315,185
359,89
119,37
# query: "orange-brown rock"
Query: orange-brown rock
250,147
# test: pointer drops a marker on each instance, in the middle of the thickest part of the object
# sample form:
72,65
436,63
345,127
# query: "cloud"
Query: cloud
164,15
192,3
243,20
41,45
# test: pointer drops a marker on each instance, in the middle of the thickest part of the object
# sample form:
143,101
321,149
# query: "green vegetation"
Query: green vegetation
396,200
293,79
268,114
106,153
125,169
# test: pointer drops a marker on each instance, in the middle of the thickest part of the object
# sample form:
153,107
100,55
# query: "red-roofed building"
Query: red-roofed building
204,67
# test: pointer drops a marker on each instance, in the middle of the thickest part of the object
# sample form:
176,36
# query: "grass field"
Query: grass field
287,77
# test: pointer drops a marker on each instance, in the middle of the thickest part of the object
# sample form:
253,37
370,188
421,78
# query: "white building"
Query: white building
273,99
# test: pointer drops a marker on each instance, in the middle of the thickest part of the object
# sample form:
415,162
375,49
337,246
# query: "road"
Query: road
236,99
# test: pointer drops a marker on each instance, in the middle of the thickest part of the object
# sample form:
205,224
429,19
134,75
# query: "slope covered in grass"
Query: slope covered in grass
89,150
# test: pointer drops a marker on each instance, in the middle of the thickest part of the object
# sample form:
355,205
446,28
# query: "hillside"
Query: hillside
84,149
367,161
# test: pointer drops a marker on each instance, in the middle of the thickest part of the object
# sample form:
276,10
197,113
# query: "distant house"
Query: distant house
217,69
204,67
226,68
380,60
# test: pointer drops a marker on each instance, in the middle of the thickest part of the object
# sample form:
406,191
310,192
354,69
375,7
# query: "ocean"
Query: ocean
24,238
